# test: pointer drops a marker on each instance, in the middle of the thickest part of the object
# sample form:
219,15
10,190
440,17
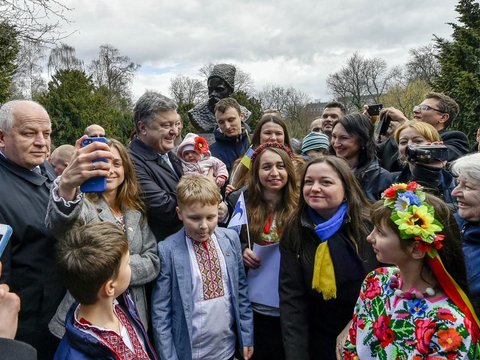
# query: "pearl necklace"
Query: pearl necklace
410,294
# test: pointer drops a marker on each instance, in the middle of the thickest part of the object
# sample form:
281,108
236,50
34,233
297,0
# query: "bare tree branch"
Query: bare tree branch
63,57
114,73
361,80
185,90
423,64
35,20
28,80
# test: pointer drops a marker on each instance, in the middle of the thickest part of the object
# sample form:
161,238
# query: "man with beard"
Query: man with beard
220,85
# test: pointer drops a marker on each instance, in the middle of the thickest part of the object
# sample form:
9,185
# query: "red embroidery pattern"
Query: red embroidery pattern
209,265
114,341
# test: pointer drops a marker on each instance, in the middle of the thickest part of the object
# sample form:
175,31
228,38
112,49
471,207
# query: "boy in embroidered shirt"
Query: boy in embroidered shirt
196,159
94,261
200,297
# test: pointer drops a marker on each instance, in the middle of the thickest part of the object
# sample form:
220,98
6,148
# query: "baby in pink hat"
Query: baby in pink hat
196,159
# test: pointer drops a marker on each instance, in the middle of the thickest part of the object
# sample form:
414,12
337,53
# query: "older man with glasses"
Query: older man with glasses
440,110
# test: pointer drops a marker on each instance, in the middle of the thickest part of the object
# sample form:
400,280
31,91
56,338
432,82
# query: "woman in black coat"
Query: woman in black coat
324,259
352,140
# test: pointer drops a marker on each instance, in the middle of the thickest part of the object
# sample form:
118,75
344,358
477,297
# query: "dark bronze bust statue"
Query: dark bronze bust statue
220,85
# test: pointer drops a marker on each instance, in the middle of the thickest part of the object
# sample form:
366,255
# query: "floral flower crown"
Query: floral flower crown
262,147
414,217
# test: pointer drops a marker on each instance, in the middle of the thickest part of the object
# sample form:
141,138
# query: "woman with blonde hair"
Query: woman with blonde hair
430,174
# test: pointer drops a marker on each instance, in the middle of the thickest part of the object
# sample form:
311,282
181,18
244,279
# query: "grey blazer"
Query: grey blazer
144,260
172,299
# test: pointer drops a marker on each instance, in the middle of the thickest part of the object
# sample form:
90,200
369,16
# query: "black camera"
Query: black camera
383,124
374,110
427,153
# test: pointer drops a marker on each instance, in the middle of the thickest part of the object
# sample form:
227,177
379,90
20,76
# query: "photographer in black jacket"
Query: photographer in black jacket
421,164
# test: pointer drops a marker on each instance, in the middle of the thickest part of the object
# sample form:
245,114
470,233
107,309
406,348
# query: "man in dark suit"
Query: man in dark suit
29,260
158,169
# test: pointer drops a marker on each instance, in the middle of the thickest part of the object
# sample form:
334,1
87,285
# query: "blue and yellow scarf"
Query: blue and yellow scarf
323,272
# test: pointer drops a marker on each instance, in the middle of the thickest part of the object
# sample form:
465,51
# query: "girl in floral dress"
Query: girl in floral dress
418,309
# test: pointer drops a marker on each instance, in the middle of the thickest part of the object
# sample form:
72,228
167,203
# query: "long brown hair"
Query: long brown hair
356,224
128,193
257,210
268,118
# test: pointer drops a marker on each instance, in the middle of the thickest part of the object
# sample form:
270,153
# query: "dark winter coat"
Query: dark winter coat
436,181
471,249
387,153
373,180
29,266
310,324
229,149
456,142
159,187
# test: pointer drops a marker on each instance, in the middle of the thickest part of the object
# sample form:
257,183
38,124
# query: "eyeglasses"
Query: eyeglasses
317,129
425,107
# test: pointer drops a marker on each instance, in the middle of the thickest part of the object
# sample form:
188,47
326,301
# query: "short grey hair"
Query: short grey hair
149,105
6,113
468,165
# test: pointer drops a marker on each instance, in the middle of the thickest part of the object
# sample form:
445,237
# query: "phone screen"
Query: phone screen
5,233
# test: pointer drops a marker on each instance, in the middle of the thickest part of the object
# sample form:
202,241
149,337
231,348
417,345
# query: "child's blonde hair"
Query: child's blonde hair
197,189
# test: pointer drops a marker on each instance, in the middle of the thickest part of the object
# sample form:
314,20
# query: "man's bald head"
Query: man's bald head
94,130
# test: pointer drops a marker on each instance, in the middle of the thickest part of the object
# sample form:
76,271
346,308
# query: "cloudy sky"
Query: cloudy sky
289,43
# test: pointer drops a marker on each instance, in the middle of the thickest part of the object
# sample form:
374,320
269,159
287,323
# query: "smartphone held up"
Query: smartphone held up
374,110
5,233
97,183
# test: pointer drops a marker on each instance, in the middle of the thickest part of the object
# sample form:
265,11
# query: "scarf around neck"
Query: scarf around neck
323,280
325,229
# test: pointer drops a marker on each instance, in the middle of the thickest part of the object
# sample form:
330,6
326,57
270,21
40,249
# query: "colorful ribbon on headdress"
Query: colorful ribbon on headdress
454,291
415,219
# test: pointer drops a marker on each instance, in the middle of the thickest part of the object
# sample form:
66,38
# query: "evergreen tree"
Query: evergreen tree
252,104
460,66
9,48
73,103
